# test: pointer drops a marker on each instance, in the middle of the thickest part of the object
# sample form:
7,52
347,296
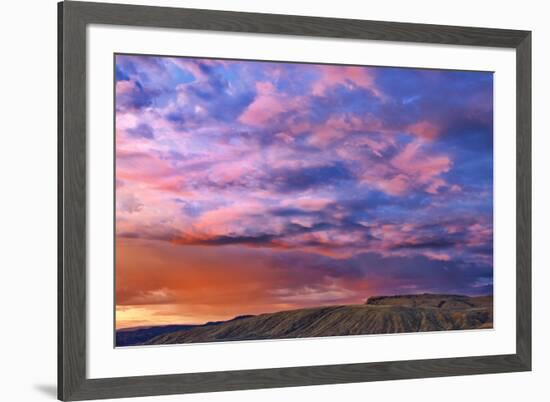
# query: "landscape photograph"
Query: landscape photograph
263,200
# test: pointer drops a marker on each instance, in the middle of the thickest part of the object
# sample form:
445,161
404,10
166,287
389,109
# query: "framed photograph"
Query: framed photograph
256,201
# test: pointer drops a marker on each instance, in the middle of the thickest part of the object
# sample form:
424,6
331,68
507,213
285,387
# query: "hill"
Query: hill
432,300
379,315
139,335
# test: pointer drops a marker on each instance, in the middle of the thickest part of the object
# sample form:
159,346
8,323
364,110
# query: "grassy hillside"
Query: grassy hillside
379,315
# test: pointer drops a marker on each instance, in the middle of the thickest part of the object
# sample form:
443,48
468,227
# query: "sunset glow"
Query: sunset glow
246,187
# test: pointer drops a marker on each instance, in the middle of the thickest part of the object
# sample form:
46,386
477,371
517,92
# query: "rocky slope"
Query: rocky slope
379,315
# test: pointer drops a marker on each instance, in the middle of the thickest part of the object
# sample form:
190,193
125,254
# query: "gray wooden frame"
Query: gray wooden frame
73,18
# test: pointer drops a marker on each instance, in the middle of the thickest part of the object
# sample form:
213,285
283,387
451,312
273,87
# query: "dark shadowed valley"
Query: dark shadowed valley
379,315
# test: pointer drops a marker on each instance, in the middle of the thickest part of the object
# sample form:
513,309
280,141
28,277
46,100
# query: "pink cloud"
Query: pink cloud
228,219
350,77
203,178
424,129
423,168
125,87
435,185
308,203
267,105
397,185
129,203
437,256
334,128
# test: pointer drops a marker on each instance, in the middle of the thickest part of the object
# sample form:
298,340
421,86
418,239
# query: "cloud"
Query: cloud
424,129
289,180
193,285
419,168
142,130
267,105
129,203
132,95
296,184
349,77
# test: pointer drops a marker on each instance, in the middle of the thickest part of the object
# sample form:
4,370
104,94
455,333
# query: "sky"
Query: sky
248,187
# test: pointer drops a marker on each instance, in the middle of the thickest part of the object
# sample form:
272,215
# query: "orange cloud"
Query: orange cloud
157,282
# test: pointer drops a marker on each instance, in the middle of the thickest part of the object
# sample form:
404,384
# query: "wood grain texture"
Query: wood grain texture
523,200
60,220
73,19
72,265
294,376
230,21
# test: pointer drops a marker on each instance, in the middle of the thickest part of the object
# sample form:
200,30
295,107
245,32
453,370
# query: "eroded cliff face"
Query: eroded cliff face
379,315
